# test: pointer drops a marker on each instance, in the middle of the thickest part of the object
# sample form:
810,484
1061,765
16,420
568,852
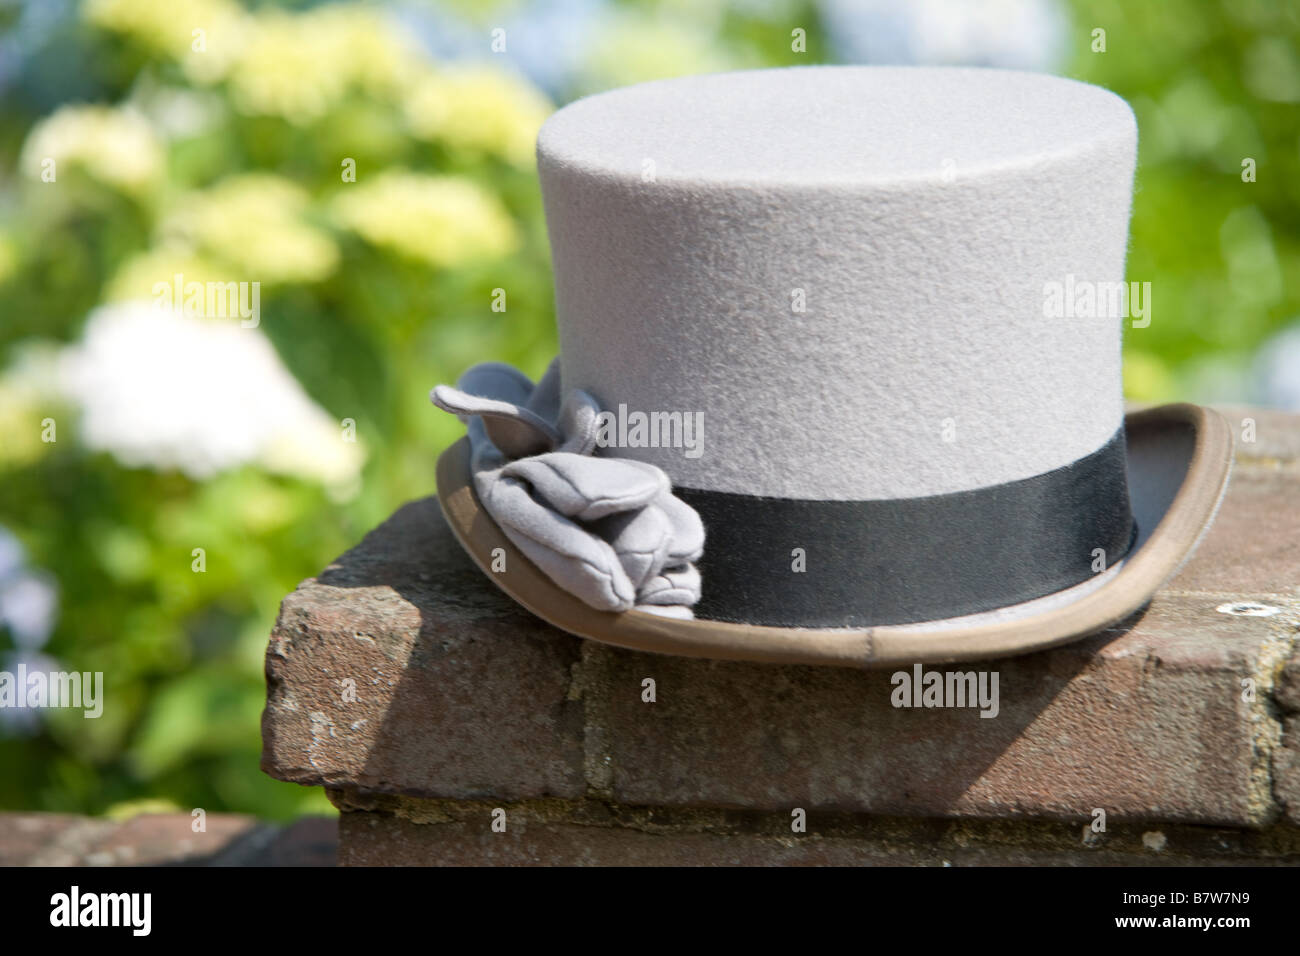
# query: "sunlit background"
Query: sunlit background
165,479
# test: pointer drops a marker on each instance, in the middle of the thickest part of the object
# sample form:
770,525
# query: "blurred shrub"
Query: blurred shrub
1214,84
378,198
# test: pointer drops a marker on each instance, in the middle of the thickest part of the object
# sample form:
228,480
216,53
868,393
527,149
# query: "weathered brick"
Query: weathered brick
1276,435
1253,547
1144,721
158,838
369,839
311,841
1286,769
457,691
25,837
382,839
1287,693
49,839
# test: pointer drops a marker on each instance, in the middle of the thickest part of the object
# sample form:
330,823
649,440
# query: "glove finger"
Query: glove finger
677,611
688,529
586,488
497,380
641,539
515,430
573,558
680,585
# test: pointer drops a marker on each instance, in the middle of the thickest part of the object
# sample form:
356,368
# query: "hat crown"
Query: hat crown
842,273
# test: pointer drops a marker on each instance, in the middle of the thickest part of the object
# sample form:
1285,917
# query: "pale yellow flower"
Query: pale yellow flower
256,223
141,276
299,65
288,69
367,47
117,147
477,108
203,36
442,220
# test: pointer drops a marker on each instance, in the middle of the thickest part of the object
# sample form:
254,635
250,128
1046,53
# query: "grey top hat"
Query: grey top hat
854,333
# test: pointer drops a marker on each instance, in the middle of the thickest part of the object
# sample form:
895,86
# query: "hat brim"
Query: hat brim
1179,460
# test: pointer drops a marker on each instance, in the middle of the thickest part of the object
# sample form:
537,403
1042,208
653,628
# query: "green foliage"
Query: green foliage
1213,84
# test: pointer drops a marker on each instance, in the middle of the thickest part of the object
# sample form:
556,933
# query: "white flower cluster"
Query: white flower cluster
159,389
